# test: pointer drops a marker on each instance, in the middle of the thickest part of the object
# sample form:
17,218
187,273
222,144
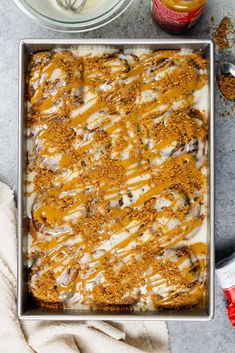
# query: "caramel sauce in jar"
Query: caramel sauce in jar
177,16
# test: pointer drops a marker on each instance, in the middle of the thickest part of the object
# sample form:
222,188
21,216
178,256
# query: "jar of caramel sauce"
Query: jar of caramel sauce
177,16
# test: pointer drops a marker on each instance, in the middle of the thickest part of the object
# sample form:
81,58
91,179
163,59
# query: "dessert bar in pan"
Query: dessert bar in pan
117,196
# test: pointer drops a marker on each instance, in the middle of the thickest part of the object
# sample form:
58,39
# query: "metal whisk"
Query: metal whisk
74,5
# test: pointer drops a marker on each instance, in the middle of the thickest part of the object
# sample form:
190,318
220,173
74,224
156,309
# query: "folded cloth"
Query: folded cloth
61,337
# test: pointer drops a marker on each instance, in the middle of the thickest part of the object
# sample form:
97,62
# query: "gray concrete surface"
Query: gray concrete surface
211,337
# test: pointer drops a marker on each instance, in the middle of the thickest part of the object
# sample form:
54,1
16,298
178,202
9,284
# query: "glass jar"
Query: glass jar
177,16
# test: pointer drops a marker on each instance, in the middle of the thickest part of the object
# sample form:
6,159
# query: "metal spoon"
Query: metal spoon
74,5
225,68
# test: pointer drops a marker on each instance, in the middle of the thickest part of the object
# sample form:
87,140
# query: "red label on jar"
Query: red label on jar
172,20
231,313
230,294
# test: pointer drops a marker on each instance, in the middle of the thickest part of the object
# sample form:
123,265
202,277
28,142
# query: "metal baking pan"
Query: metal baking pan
26,307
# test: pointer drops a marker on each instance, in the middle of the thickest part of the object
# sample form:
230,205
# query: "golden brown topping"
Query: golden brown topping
179,82
45,288
43,179
198,61
181,127
181,172
119,284
58,135
181,300
227,86
110,172
222,32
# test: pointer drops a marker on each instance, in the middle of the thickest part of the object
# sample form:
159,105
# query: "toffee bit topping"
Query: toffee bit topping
227,86
222,33
58,135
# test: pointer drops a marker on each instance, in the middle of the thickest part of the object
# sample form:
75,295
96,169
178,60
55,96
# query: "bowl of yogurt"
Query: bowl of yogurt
94,13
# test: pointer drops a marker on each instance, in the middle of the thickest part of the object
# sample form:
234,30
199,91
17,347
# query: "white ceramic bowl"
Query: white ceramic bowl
95,14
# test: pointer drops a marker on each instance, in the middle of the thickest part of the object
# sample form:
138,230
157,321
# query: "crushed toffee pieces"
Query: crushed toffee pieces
223,32
226,84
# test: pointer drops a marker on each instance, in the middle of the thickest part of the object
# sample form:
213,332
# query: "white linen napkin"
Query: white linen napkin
62,337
